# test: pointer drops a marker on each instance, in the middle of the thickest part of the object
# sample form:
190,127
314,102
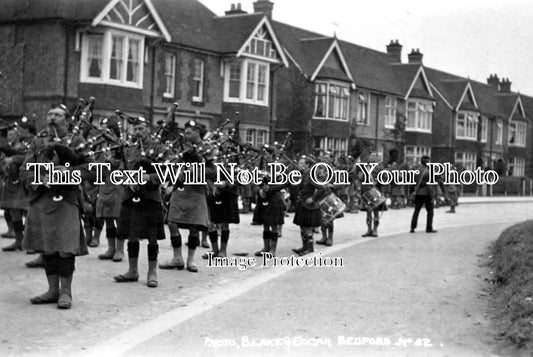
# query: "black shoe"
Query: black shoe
412,230
431,231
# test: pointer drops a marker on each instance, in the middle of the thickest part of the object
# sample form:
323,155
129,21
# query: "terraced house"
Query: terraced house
141,56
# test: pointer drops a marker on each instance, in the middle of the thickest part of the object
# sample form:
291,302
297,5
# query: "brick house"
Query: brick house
141,56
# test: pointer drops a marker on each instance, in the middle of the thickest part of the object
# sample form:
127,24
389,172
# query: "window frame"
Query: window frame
499,132
419,103
390,112
517,165
243,82
468,159
107,43
418,152
198,82
484,129
363,97
520,130
471,122
341,102
337,146
170,75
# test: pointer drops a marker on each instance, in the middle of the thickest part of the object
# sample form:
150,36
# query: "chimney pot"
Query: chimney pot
264,6
505,85
415,56
235,9
394,50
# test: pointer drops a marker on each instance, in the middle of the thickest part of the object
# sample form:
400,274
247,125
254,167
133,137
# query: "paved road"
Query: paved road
397,291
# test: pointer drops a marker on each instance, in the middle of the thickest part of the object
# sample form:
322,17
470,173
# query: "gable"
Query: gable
420,86
468,100
264,45
334,66
261,44
133,15
333,61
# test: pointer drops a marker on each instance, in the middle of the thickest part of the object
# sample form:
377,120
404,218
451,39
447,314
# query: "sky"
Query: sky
469,38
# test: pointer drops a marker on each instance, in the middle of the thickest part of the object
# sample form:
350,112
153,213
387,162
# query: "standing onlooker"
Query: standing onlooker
424,195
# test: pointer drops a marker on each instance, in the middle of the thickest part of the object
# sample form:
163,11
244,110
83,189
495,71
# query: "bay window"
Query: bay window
516,166
112,57
467,160
331,101
336,146
419,115
517,133
413,154
248,82
256,137
466,127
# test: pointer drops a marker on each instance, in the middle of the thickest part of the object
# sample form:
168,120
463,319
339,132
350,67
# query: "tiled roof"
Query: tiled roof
72,10
313,51
485,94
189,22
232,31
405,75
370,68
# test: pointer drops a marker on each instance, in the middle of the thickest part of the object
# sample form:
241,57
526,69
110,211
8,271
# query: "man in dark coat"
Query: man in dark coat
53,225
424,195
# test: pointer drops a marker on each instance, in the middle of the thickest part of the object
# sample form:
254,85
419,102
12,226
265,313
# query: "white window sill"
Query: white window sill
168,95
517,145
425,131
245,101
112,83
465,138
334,119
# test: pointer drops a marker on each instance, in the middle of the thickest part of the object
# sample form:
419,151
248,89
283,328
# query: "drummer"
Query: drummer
373,189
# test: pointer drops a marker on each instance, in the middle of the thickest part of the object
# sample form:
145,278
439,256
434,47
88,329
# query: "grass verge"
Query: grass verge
512,270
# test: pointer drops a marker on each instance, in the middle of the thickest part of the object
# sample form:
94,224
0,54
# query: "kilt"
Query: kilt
224,208
108,201
141,220
307,218
381,207
54,227
271,211
188,207
13,196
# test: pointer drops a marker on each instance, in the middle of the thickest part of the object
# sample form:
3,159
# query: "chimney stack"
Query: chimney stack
235,10
394,50
264,6
494,81
505,85
415,56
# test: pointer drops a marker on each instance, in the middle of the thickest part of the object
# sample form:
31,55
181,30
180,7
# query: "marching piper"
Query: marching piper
188,204
53,224
141,213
